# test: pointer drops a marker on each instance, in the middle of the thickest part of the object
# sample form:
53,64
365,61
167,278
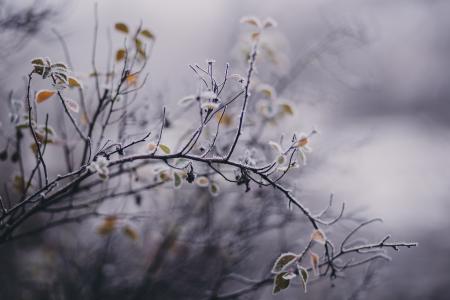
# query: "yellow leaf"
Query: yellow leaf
287,108
108,225
122,27
120,54
227,120
132,79
130,232
73,82
43,95
148,34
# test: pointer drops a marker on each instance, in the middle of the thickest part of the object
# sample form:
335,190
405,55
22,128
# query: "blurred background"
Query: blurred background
372,76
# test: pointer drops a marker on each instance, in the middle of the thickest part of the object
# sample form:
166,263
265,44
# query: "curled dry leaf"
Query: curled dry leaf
315,258
318,236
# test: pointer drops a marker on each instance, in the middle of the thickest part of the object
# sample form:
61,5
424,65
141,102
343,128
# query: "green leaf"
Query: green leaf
61,76
138,43
304,276
280,283
182,163
39,70
318,236
164,148
60,66
22,126
285,260
177,180
214,189
38,61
